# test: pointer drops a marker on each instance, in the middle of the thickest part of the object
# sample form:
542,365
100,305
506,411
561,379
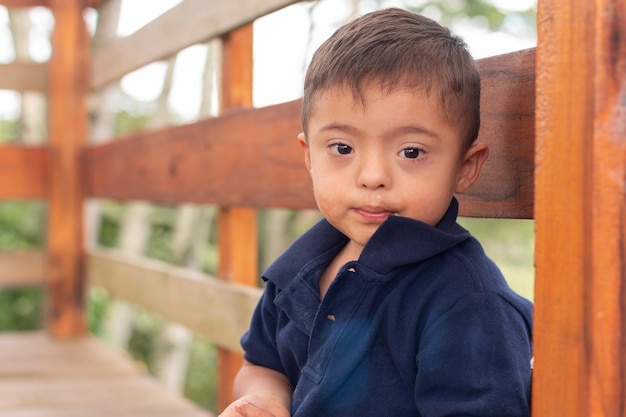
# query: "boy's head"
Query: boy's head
398,49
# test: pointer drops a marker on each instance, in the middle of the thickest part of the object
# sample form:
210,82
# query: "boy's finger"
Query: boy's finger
247,409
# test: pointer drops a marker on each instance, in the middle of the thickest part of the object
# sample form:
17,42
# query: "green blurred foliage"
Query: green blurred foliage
22,227
201,381
22,309
10,131
22,224
482,12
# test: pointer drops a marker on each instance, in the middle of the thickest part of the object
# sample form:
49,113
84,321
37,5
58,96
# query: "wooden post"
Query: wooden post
67,133
580,210
237,227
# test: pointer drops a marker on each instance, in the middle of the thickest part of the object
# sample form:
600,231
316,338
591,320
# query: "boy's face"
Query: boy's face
391,154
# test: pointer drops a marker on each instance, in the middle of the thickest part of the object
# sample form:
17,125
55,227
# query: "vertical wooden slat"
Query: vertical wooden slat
68,129
237,227
607,288
580,210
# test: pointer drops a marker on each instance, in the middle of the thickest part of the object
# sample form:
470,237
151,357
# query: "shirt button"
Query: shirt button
331,317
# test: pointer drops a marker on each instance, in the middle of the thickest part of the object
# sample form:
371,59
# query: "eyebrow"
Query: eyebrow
401,130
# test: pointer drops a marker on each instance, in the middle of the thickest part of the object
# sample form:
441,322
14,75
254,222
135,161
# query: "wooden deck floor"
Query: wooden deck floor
79,378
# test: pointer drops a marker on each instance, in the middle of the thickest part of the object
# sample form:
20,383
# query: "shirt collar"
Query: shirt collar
398,241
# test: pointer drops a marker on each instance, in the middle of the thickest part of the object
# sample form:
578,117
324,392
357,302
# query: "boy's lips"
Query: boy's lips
373,214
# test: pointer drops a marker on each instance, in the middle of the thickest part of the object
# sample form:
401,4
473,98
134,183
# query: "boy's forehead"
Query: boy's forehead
359,100
360,94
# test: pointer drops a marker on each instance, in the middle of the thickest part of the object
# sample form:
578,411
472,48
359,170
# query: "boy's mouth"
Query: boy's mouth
373,214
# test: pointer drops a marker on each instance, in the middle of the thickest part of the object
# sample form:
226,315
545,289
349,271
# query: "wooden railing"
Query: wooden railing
580,158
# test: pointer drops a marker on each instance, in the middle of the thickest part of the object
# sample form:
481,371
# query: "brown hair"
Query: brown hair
399,49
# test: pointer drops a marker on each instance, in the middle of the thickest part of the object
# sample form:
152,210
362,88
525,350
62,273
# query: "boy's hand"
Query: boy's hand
256,406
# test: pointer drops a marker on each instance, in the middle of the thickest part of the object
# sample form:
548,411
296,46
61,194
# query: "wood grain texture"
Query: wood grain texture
251,157
245,158
41,377
202,20
67,133
23,172
211,308
238,240
505,187
24,76
580,313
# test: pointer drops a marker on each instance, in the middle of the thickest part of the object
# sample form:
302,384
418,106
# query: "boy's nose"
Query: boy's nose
373,173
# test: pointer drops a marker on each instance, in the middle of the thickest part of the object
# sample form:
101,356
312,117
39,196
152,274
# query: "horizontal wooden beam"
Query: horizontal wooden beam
24,76
201,19
216,310
251,157
247,158
23,172
23,3
94,3
22,268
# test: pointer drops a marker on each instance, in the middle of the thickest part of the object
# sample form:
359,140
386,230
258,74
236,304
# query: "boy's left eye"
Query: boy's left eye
341,149
411,153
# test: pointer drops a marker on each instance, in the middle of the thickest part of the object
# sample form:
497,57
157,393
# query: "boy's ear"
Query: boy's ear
304,145
470,167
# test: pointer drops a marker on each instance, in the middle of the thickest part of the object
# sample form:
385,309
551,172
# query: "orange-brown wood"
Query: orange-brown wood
251,157
68,130
580,289
23,3
237,227
94,3
246,158
23,172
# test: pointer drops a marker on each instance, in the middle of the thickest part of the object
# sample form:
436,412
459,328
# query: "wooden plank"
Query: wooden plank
580,320
78,378
24,76
505,187
237,227
216,310
23,3
202,20
23,172
209,162
212,161
67,131
94,3
22,268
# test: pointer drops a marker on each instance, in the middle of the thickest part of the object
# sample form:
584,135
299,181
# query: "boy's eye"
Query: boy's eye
411,153
341,149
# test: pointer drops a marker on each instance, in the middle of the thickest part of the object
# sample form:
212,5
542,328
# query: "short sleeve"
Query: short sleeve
474,360
259,342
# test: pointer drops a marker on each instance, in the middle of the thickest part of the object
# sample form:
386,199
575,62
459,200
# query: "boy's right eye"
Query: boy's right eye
341,149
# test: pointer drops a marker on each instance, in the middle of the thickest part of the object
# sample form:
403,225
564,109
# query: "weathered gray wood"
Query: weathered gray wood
41,377
216,310
22,268
24,76
190,22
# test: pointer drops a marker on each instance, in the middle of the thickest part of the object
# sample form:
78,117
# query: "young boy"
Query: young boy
388,307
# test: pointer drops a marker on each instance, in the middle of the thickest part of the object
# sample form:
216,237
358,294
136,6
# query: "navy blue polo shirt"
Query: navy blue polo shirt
422,324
